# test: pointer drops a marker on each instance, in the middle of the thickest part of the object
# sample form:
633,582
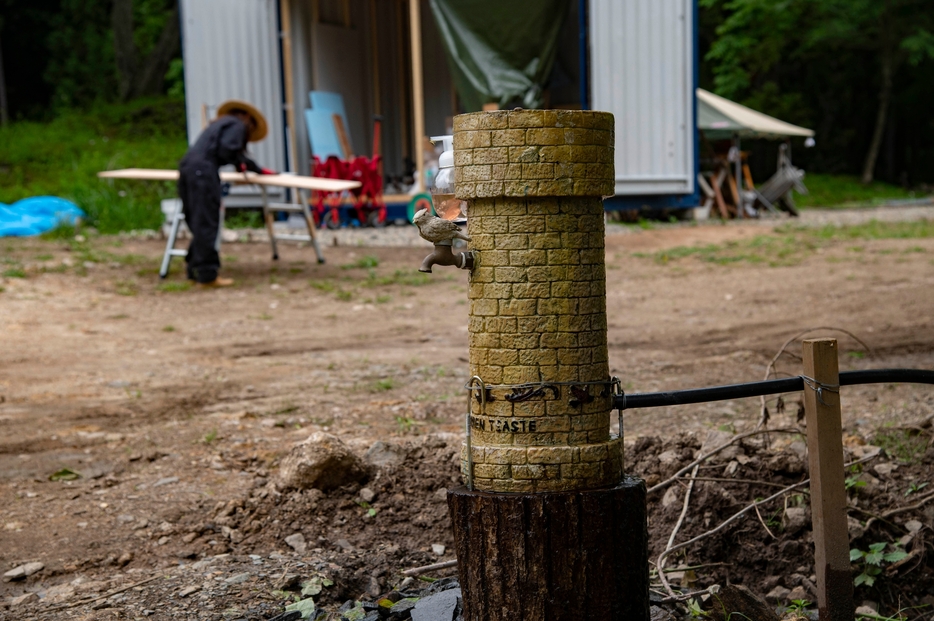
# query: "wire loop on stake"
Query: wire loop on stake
819,387
475,381
619,399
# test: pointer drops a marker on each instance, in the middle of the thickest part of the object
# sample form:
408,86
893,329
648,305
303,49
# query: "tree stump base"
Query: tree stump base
553,556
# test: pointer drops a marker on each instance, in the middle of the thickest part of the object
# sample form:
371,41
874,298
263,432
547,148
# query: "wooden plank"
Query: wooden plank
747,175
282,181
374,60
716,180
286,37
342,136
403,88
828,489
418,94
734,192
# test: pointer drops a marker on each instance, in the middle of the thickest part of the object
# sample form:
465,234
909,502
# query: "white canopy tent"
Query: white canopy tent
721,118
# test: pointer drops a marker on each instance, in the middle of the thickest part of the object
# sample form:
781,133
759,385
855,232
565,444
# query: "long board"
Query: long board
283,181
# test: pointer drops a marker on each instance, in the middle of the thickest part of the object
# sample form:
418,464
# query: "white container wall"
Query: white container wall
231,51
642,70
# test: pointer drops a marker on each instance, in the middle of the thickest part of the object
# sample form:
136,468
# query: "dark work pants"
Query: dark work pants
199,187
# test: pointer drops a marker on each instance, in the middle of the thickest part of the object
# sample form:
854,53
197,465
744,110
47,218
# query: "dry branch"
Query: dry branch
763,413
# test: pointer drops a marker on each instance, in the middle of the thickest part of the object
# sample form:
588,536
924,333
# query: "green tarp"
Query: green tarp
500,51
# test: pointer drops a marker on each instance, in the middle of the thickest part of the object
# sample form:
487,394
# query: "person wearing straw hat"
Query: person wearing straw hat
223,142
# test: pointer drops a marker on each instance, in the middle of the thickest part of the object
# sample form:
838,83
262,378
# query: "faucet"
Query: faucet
443,255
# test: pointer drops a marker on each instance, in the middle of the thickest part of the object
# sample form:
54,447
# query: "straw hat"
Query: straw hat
258,119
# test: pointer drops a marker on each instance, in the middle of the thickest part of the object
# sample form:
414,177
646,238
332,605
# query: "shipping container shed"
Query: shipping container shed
636,59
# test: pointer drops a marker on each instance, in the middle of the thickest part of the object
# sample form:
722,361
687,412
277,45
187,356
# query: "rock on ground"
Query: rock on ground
323,462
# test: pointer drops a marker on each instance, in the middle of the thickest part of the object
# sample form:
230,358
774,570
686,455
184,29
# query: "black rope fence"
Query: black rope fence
767,387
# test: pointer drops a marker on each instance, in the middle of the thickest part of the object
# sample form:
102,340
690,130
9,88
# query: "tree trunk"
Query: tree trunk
885,95
137,78
553,556
151,76
125,52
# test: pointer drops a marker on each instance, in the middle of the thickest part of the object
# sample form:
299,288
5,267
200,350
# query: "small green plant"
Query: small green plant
405,423
15,272
914,488
370,511
871,562
344,295
905,445
695,610
168,329
366,262
210,436
853,483
383,385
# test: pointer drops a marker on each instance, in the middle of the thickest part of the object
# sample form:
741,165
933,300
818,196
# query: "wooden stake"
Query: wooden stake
285,12
418,95
403,75
717,179
828,490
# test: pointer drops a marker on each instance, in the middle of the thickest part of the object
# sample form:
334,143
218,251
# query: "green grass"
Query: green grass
174,287
791,244
365,262
63,157
847,191
905,445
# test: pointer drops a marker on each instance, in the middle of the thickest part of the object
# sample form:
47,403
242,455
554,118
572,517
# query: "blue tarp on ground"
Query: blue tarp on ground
36,215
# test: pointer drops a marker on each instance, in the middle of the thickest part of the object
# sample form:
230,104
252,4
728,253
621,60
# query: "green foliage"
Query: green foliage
63,157
791,244
870,562
243,219
846,191
819,63
905,445
81,65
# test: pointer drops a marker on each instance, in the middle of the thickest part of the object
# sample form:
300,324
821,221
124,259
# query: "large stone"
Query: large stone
384,455
737,602
321,462
438,607
23,571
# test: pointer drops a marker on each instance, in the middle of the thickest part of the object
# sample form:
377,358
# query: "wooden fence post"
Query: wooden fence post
828,489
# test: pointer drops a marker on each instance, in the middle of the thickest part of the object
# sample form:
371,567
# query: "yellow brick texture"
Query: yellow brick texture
533,153
534,180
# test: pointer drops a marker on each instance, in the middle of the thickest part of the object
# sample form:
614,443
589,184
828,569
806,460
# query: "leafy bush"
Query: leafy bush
63,157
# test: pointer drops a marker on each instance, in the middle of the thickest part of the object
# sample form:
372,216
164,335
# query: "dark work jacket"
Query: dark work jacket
222,142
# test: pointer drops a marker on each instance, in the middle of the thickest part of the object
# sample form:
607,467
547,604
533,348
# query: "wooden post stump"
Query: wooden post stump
828,485
555,556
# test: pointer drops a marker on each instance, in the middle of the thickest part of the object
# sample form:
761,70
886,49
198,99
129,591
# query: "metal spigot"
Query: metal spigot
444,255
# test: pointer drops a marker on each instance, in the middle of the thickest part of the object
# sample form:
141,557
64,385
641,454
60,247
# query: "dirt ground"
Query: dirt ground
174,404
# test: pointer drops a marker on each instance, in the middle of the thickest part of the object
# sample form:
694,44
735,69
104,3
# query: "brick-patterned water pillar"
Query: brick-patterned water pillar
551,529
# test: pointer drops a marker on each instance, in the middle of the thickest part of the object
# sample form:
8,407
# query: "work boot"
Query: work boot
218,282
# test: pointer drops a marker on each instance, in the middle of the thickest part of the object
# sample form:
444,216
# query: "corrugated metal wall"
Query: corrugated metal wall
231,50
642,70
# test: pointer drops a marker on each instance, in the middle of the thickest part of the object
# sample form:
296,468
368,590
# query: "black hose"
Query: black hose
768,387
